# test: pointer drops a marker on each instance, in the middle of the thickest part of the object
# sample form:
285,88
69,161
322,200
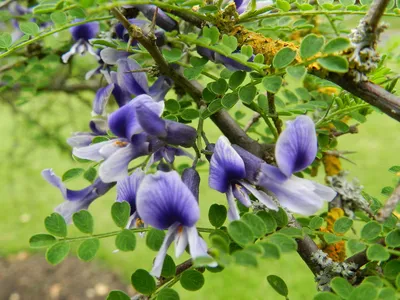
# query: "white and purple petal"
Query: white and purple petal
134,82
233,211
226,166
163,199
110,56
101,99
296,147
162,19
85,31
191,179
127,188
91,152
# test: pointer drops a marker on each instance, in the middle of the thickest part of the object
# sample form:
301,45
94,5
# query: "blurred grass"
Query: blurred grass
26,199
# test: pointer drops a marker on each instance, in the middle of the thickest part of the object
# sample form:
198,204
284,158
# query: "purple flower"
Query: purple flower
227,174
130,143
162,19
171,132
124,83
75,200
98,127
126,191
241,5
165,202
295,150
81,35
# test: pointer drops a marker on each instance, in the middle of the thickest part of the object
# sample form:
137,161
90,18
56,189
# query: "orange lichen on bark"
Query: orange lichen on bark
336,251
332,164
329,90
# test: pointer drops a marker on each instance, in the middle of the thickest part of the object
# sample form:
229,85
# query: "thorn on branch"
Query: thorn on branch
389,206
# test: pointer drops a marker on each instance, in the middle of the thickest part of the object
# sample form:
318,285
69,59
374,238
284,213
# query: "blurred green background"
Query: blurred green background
26,199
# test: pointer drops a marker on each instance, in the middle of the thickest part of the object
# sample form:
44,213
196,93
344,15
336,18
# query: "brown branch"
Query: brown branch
179,270
254,119
353,129
389,206
272,111
375,13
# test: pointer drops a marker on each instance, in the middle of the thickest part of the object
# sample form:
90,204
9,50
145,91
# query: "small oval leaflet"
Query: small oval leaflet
192,280
240,232
311,45
88,249
217,215
42,240
285,243
371,230
245,258
72,173
125,240
272,83
154,239
143,282
316,222
269,221
118,295
55,224
335,64
341,287
342,225
120,212
168,294
255,223
278,284
393,238
283,58
377,252
57,253
83,220
169,267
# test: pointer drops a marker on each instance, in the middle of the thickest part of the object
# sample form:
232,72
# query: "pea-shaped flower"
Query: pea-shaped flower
165,202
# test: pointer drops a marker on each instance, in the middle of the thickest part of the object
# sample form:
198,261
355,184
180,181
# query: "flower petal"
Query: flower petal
134,82
115,167
296,147
261,196
163,199
110,56
240,193
226,166
231,64
127,188
181,241
160,88
179,134
101,99
72,51
233,211
99,126
80,139
151,121
85,31
252,163
191,179
162,19
197,246
91,152
159,261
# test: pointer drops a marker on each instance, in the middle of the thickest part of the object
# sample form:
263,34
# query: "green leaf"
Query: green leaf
341,287
72,173
143,282
283,5
377,252
198,61
393,238
29,28
326,296
230,42
387,191
240,232
55,224
59,18
356,246
169,267
392,269
5,40
316,223
219,243
229,100
120,212
172,55
387,293
155,238
77,13
371,230
394,169
217,215
190,114
192,73
168,294
342,225
90,174
245,258
212,33
237,79
192,280
87,3
270,250
278,284
336,45
331,238
57,252
363,292
292,232
311,45
247,93
398,281
340,126
272,83
219,87
125,240
172,105
297,72
335,64
259,59
83,220
247,51
283,58
255,223
280,217
285,243
375,280
88,249
117,295
41,240
269,221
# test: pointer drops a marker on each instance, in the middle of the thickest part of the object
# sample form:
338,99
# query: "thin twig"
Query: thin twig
272,111
389,206
254,119
375,13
